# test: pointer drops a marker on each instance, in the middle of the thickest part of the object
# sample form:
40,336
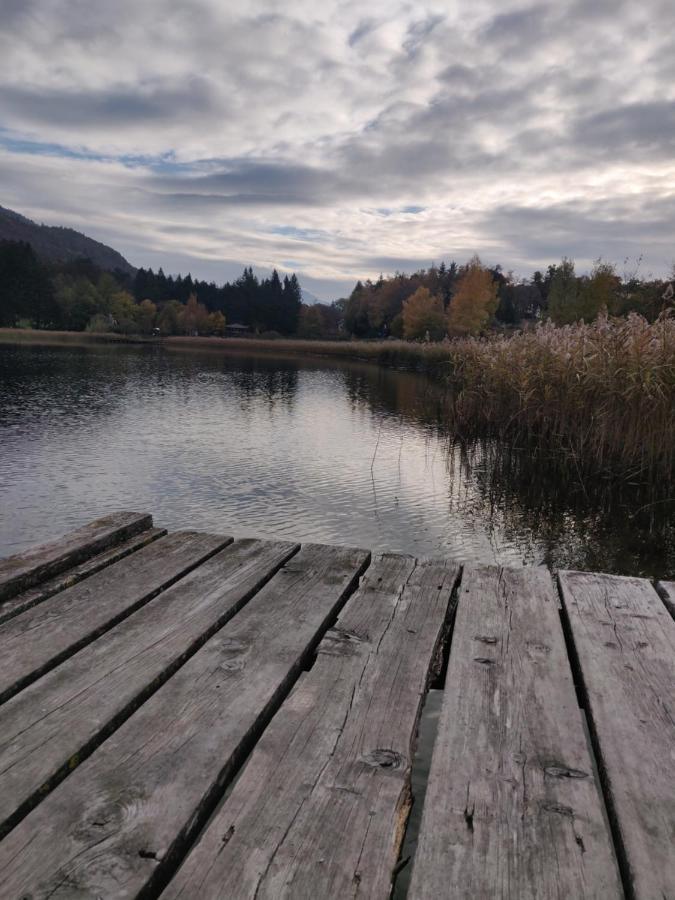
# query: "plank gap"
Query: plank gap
26,600
595,749
424,742
666,591
110,727
42,669
437,682
169,865
427,733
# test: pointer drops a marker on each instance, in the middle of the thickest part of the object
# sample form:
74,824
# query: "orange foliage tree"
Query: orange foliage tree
194,317
474,302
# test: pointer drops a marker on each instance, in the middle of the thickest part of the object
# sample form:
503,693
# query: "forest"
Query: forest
428,305
79,296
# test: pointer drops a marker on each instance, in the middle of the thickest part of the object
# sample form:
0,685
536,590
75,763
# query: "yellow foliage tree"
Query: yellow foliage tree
474,302
423,313
217,323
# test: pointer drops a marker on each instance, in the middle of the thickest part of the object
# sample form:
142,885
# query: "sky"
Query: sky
340,139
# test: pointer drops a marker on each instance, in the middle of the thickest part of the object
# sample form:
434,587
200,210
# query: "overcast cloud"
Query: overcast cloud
343,139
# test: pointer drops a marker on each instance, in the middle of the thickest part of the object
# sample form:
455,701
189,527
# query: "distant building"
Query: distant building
236,329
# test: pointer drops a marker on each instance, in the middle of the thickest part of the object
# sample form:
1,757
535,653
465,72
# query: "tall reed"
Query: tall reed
601,395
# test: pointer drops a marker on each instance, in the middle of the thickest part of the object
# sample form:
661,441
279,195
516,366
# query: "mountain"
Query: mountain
309,299
60,244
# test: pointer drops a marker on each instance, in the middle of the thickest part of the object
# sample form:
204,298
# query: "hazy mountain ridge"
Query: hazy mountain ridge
60,244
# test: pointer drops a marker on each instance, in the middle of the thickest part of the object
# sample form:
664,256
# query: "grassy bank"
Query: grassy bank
54,338
428,359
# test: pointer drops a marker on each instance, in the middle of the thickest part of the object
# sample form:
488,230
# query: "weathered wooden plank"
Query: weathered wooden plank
25,600
115,826
512,809
19,572
667,591
625,645
52,725
321,806
42,637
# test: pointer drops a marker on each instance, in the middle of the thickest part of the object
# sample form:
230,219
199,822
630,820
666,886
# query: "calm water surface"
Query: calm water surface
330,452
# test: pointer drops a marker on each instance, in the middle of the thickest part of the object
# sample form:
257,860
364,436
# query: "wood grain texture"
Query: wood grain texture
321,806
666,591
625,645
118,823
512,809
52,725
26,599
19,572
40,638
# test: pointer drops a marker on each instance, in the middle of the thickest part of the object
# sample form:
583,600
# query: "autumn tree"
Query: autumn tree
169,319
474,302
217,323
195,316
599,292
423,312
145,316
124,312
311,325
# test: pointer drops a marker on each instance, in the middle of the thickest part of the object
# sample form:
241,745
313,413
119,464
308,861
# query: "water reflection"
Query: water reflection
326,451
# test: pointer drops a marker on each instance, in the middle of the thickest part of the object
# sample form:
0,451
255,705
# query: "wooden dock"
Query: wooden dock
190,715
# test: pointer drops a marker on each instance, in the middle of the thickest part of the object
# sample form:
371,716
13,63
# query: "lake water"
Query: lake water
325,451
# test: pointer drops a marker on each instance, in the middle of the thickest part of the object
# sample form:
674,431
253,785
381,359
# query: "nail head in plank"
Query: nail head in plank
25,600
53,724
117,823
40,638
625,644
321,806
23,570
512,809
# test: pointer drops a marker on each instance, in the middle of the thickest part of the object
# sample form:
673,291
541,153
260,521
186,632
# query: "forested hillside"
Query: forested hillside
60,244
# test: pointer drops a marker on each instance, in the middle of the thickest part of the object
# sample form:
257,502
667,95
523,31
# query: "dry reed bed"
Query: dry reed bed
602,394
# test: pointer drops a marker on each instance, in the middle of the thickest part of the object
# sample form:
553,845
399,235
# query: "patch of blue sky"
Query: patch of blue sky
396,211
163,163
42,148
311,235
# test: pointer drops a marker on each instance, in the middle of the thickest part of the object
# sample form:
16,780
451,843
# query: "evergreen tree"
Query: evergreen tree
25,289
563,293
292,303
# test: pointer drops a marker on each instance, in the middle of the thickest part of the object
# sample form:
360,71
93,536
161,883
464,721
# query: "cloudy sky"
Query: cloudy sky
342,139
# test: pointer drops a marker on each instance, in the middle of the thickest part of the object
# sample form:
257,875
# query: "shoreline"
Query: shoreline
426,359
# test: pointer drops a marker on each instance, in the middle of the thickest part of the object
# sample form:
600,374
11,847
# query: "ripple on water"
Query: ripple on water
341,453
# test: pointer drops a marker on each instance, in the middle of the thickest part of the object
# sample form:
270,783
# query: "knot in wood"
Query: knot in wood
562,771
383,759
233,646
558,808
340,642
